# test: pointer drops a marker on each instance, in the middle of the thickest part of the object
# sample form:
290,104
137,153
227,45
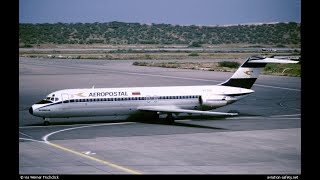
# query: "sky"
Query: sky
180,12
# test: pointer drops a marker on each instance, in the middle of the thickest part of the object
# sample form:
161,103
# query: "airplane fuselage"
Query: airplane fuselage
127,101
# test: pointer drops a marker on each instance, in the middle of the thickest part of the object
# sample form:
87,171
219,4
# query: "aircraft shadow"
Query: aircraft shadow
150,120
176,123
79,122
145,121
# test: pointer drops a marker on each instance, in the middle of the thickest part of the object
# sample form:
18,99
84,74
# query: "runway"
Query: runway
264,139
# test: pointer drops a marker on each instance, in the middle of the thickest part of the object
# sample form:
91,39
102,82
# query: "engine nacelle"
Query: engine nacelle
214,101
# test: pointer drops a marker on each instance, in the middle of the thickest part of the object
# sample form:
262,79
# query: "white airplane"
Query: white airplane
156,100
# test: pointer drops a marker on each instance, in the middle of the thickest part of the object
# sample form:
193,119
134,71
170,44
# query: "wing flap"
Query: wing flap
173,109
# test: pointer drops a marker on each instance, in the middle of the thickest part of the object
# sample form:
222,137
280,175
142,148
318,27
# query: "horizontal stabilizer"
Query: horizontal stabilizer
273,60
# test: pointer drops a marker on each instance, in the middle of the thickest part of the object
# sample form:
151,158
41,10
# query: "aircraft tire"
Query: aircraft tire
170,119
46,123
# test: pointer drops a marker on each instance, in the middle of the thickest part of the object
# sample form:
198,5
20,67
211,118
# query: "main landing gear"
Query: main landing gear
170,118
155,116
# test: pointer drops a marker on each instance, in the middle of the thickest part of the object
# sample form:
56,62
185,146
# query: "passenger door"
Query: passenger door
65,101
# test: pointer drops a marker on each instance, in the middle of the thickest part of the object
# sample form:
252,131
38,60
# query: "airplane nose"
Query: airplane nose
31,110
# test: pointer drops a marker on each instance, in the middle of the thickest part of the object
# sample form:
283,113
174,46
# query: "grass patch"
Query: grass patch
209,66
283,69
229,64
140,63
193,54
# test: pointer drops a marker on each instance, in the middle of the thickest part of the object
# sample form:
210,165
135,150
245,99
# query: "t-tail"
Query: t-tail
250,70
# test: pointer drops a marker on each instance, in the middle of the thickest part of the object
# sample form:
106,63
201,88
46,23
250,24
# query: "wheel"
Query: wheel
155,116
46,123
170,119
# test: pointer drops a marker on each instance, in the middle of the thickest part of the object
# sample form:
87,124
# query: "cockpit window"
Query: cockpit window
44,101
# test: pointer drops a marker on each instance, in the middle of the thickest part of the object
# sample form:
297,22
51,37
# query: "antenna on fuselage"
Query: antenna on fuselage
93,87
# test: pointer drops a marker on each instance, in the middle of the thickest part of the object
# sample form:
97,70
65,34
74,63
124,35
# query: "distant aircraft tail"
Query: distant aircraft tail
250,70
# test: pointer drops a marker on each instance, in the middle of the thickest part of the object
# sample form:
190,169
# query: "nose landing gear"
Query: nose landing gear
46,121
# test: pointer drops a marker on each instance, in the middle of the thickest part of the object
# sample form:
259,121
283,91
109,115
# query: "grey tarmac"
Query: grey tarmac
264,139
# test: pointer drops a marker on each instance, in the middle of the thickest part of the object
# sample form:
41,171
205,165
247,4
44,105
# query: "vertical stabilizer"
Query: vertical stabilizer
249,71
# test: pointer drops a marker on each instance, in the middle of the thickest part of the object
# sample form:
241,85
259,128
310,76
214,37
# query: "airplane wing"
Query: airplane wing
174,109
